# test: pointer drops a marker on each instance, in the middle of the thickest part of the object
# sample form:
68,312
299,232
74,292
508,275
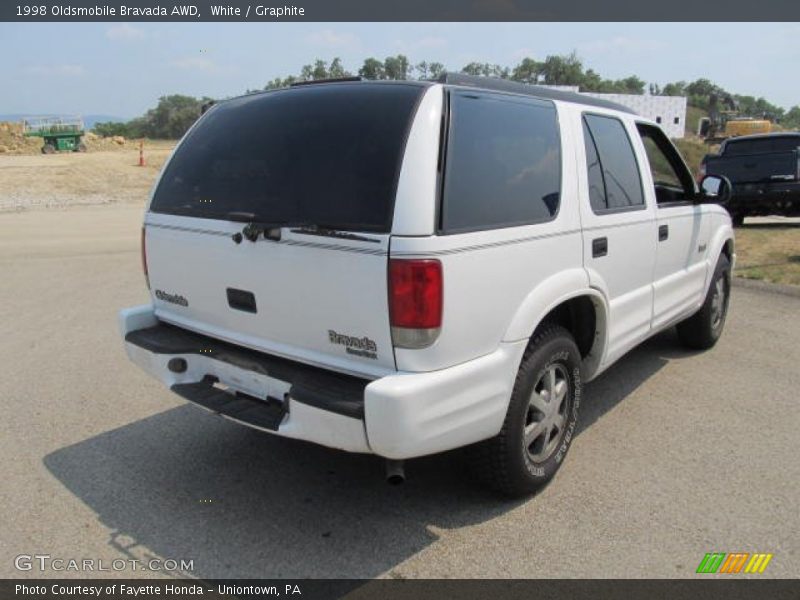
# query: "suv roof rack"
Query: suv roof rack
538,91
331,80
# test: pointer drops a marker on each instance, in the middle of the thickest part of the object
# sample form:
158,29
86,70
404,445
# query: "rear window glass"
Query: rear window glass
323,154
503,162
762,146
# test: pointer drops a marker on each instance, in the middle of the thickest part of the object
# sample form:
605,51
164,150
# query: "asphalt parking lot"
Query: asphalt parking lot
679,454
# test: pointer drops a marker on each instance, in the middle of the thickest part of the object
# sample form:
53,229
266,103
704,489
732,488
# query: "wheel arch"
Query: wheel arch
722,243
566,299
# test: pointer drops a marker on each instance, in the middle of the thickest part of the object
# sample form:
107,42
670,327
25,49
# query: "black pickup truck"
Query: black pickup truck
764,171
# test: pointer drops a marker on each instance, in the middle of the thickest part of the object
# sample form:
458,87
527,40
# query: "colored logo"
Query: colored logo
735,562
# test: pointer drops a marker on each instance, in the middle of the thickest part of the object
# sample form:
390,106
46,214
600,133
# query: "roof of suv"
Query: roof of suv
475,82
538,91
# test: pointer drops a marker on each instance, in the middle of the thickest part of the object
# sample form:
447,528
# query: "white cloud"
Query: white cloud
430,42
521,53
58,70
422,44
124,32
194,63
622,44
332,39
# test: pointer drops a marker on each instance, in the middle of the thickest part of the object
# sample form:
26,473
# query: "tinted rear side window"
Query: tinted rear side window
762,146
326,154
597,186
612,163
503,163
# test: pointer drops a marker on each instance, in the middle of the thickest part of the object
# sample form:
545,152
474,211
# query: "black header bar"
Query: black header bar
392,589
405,11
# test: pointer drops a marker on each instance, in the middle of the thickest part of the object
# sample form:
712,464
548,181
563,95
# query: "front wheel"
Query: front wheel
702,330
541,418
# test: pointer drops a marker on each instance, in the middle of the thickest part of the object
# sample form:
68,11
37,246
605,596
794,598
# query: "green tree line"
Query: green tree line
174,114
170,119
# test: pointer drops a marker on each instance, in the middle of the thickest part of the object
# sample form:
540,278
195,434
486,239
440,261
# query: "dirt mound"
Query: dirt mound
13,142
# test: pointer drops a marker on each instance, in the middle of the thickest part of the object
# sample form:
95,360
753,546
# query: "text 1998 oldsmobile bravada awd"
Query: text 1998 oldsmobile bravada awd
403,268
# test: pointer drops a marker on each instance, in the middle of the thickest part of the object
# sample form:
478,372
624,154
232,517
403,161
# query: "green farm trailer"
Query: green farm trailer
59,134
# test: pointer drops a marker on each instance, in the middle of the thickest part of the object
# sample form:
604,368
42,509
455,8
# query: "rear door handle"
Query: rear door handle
599,247
663,232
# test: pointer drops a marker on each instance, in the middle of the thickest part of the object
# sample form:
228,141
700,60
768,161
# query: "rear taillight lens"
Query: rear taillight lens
415,301
144,258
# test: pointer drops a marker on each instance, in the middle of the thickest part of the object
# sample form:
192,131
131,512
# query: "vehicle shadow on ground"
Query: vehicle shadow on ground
627,374
184,484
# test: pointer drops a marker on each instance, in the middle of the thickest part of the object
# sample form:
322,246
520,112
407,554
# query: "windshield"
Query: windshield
325,154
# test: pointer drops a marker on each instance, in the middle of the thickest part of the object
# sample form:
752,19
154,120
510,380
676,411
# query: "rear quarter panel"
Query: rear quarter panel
489,275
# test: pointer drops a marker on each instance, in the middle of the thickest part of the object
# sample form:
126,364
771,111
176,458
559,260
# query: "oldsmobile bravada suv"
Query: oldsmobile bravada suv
404,268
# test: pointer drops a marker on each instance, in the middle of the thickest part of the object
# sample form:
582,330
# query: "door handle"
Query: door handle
663,232
599,247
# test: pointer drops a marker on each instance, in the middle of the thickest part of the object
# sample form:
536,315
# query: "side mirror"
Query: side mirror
715,189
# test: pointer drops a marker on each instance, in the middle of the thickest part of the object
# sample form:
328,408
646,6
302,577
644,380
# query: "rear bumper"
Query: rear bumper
402,415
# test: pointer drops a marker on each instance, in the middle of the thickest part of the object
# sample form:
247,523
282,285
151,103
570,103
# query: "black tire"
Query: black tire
505,462
48,149
737,220
702,330
81,147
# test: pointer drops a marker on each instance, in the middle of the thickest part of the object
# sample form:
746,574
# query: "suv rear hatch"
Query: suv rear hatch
270,225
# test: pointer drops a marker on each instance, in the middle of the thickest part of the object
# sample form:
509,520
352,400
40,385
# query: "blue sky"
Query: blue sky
122,68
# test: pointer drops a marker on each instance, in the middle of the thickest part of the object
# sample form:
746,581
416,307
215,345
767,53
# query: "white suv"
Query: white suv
403,268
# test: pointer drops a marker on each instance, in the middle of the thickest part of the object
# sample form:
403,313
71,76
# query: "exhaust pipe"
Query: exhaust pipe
395,472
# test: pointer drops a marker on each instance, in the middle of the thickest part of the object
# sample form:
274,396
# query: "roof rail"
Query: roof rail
538,91
331,80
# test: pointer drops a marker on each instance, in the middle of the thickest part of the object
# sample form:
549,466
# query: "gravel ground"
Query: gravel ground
76,179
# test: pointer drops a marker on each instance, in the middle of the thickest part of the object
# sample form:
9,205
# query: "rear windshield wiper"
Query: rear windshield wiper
271,230
254,228
321,230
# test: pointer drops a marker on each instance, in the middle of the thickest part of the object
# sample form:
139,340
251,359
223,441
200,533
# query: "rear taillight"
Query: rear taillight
144,258
415,302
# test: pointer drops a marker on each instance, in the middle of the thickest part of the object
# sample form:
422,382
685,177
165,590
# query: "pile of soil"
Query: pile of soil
13,142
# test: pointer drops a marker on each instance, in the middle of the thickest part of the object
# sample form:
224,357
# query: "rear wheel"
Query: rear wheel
738,220
48,149
81,147
541,418
702,330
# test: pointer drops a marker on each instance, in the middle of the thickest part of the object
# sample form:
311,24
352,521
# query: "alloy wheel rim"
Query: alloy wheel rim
718,303
546,417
